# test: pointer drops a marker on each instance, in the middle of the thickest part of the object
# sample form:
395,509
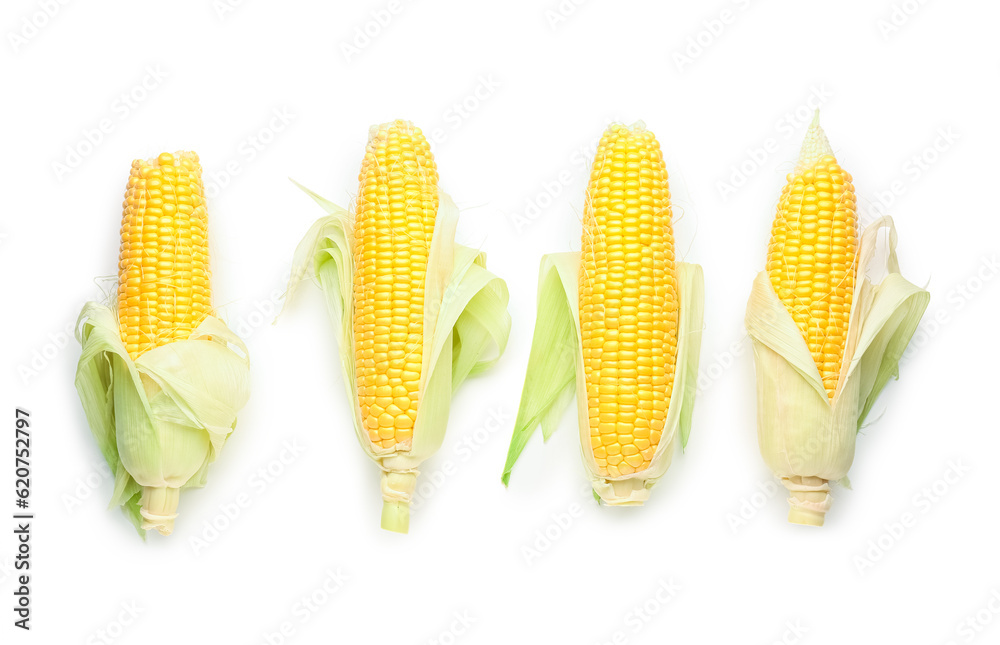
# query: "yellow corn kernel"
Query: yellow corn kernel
628,299
811,259
164,290
394,220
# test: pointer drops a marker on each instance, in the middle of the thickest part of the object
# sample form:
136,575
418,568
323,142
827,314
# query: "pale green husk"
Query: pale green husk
555,366
806,439
466,327
162,419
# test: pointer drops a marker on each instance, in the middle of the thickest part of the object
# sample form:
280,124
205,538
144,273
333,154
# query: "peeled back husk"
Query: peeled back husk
555,366
466,327
806,439
162,419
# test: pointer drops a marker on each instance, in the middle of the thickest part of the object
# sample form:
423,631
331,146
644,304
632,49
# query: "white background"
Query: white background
886,97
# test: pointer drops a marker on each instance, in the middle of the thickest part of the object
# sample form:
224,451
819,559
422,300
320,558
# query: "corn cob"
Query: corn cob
163,275
394,219
177,374
811,255
416,313
620,322
628,300
825,339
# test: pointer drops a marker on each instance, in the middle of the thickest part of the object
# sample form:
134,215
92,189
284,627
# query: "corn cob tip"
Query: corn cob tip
178,157
381,130
815,146
635,128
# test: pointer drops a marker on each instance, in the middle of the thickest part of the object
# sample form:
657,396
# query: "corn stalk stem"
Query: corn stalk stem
397,491
158,507
809,499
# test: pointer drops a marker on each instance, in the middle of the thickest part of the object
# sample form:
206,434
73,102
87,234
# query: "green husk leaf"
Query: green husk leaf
484,323
100,360
130,508
548,384
691,280
325,255
159,421
899,305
